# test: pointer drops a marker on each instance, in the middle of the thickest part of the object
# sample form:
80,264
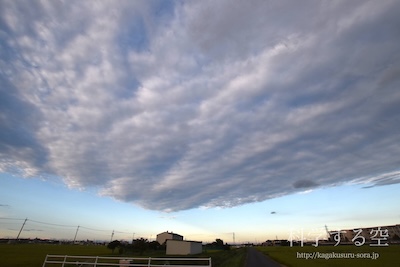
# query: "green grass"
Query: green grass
388,256
227,258
33,255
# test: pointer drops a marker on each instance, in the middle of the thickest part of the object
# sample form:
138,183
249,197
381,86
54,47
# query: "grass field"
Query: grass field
26,255
292,257
227,258
33,255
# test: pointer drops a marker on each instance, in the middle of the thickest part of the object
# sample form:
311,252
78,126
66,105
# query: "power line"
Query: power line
16,219
26,221
100,230
53,224
123,232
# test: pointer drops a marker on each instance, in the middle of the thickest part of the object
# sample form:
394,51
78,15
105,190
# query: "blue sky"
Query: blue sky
202,118
46,204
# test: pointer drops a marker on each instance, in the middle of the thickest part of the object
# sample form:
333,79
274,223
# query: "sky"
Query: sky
238,120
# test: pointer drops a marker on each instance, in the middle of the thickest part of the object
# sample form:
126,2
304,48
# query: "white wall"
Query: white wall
196,248
162,237
177,247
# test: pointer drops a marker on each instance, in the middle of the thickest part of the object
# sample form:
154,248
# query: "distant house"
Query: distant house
161,238
180,247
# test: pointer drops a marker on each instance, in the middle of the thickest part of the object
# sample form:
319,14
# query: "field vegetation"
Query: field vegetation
33,255
27,255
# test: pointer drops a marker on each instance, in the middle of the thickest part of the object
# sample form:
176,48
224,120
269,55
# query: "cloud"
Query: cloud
17,139
33,230
304,184
155,105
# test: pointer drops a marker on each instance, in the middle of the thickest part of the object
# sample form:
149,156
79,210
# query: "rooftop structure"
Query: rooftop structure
163,237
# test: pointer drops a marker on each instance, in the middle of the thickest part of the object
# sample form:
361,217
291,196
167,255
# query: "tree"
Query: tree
154,245
113,245
219,242
140,245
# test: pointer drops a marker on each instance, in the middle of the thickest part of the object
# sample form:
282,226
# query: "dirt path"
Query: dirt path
257,259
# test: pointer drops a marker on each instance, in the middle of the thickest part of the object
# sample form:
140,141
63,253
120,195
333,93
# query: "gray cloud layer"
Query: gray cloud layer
201,103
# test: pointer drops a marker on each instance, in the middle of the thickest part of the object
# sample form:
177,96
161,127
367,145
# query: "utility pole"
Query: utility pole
21,228
76,233
112,235
327,231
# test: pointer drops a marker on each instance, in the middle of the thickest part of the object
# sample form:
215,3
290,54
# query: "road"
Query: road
257,259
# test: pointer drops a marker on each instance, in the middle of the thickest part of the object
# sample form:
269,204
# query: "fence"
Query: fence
88,261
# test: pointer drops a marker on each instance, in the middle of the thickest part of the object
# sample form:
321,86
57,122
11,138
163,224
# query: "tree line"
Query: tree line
141,245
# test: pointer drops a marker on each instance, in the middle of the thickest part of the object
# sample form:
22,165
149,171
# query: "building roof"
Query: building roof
174,240
171,233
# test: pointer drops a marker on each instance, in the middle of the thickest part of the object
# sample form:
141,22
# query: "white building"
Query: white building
161,238
180,247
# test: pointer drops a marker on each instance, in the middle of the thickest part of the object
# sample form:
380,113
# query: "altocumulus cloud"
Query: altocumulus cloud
174,105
